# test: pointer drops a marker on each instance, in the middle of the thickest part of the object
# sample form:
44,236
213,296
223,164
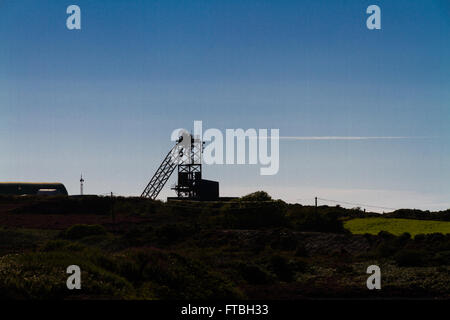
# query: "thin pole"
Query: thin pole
81,184
316,203
112,210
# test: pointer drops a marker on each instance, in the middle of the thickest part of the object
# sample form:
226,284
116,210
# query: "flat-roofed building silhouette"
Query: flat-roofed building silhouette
32,188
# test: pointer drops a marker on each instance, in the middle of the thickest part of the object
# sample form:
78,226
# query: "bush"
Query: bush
134,273
386,235
435,237
15,240
173,233
420,237
253,274
281,268
442,258
301,251
66,205
62,245
284,241
173,276
299,265
404,237
386,249
257,196
344,269
269,214
318,221
410,258
420,215
138,235
42,275
391,244
80,231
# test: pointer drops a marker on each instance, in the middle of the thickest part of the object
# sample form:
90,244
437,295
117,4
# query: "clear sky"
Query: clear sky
104,100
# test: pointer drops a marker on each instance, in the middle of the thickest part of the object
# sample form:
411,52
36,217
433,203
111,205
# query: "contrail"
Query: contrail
344,138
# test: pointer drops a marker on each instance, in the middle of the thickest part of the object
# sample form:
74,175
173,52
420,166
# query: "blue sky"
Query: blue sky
104,100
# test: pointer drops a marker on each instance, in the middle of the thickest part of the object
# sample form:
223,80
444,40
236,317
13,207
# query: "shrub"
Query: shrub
435,237
301,251
254,274
404,237
62,245
257,196
386,235
137,206
42,275
420,237
390,244
281,268
386,249
80,231
173,233
138,235
442,258
173,276
344,269
284,241
15,240
299,265
67,205
269,214
318,221
410,258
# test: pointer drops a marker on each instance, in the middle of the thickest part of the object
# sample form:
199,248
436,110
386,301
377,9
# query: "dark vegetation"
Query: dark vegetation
419,214
249,248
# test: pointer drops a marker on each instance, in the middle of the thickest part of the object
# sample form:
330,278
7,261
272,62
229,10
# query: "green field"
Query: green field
396,226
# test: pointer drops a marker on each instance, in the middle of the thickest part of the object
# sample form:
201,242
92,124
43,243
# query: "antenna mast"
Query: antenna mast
81,184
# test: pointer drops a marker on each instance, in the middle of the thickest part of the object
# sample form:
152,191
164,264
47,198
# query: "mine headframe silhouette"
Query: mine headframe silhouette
187,156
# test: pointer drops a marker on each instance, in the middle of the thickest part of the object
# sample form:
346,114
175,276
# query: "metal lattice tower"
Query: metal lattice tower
163,173
179,154
190,171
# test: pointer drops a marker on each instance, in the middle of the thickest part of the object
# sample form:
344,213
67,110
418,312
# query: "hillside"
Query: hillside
252,248
396,226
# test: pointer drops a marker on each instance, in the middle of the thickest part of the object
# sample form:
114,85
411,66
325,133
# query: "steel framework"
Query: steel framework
165,170
186,154
190,171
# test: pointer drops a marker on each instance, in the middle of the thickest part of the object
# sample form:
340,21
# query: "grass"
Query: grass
17,240
396,226
234,250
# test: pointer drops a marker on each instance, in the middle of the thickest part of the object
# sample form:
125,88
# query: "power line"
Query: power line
357,204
